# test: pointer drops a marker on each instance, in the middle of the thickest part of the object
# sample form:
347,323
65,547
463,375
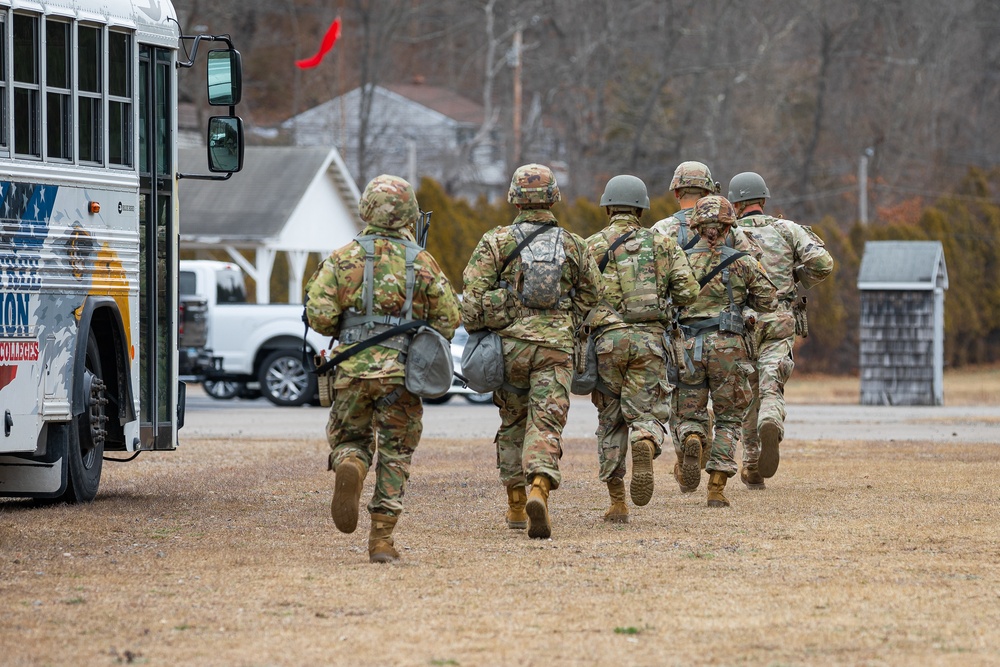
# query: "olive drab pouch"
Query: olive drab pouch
482,361
584,367
542,260
429,364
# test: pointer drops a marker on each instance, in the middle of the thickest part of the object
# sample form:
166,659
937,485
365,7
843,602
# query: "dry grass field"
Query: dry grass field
223,553
977,386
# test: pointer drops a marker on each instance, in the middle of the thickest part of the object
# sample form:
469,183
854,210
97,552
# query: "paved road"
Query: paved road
207,417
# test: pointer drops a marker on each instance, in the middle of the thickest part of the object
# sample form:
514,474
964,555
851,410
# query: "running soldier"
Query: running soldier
792,255
375,283
644,274
691,181
716,363
532,282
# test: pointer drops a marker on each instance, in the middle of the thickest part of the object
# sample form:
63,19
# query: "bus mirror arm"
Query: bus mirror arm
197,40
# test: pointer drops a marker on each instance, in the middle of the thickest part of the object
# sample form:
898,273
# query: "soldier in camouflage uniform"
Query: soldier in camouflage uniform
691,181
793,255
643,274
716,363
532,282
372,410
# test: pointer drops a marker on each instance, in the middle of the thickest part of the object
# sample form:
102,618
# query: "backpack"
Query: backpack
542,257
636,264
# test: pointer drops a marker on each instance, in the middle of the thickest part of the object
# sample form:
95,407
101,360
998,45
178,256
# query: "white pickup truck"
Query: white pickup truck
257,343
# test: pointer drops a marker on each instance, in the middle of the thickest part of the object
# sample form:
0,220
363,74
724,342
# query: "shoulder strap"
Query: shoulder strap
728,259
614,246
690,244
521,246
411,251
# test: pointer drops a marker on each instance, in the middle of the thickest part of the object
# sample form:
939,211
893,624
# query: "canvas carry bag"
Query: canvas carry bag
429,364
482,361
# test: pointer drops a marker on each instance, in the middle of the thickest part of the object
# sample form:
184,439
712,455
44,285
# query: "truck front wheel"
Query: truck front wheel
284,380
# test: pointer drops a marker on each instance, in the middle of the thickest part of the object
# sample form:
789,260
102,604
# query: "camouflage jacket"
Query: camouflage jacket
674,280
670,226
338,285
579,281
750,284
791,252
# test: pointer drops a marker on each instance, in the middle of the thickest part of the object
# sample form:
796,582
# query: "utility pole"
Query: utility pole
517,97
863,185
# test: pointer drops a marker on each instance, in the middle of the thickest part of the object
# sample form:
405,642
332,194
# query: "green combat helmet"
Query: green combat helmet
625,190
713,210
693,175
389,202
533,185
747,186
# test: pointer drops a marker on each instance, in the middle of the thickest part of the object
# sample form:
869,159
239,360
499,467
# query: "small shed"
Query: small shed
902,285
294,200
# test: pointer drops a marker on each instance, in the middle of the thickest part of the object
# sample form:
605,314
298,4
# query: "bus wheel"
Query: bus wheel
284,380
87,433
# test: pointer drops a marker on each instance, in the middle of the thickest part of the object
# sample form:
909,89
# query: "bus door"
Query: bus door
157,330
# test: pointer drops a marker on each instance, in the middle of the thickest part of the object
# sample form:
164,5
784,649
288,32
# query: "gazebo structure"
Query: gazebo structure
902,285
294,200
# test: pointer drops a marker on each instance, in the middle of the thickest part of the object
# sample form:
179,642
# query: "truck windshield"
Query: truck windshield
186,283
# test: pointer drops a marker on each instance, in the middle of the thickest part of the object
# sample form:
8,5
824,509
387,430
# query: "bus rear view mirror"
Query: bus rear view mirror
225,77
225,144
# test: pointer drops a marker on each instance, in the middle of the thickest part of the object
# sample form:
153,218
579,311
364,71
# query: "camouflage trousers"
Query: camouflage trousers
361,425
721,374
773,367
631,365
529,441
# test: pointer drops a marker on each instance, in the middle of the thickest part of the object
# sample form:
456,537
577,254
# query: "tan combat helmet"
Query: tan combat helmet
713,210
533,185
389,202
694,175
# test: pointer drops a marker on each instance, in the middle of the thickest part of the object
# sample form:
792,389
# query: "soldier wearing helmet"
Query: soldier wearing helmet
793,256
644,274
691,181
354,295
531,282
715,362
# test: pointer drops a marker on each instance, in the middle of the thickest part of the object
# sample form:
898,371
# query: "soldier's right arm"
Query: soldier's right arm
480,276
322,306
761,292
813,261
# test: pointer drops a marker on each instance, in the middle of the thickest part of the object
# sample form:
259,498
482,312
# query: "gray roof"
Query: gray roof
903,265
254,203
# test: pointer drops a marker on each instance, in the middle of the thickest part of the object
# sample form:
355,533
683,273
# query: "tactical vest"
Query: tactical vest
542,260
355,326
730,319
635,260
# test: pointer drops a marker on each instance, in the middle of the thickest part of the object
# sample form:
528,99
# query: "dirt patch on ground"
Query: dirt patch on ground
223,553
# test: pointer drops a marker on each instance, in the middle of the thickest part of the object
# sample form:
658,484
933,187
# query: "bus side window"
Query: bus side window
89,94
27,87
58,96
120,57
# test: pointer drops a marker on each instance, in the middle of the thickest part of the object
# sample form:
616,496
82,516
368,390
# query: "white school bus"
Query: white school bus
89,232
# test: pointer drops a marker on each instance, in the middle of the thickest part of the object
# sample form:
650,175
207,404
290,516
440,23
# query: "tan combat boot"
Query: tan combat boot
680,480
350,477
690,465
537,508
618,513
716,483
380,548
770,437
517,518
750,476
641,486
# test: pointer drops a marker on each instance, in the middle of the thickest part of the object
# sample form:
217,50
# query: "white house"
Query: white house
286,199
415,130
